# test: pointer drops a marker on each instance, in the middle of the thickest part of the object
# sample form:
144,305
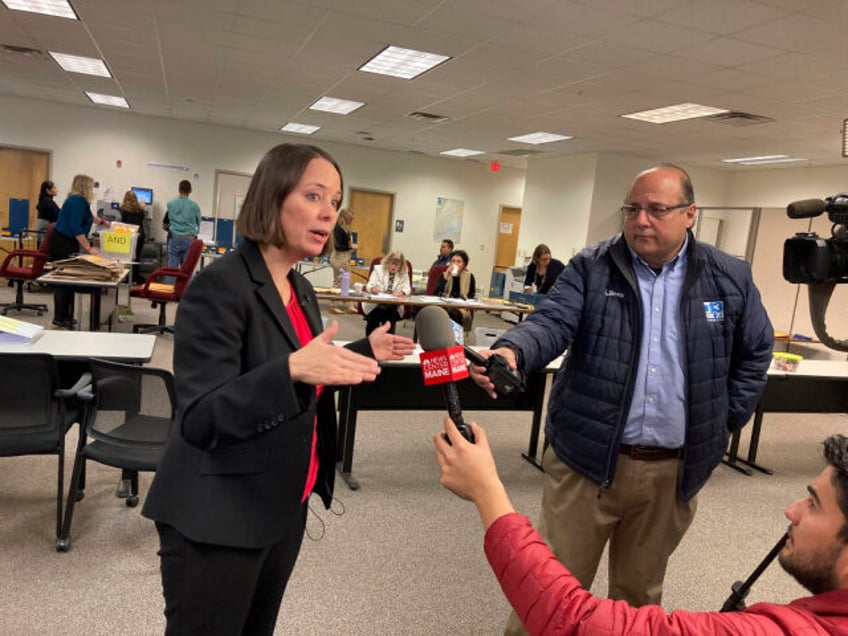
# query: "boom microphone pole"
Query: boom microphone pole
736,601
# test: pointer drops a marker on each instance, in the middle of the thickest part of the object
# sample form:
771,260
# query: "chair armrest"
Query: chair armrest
83,383
162,272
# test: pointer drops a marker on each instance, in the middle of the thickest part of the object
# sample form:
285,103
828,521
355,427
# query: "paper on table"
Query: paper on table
427,299
12,330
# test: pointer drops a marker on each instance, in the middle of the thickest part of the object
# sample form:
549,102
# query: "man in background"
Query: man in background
183,218
668,346
445,250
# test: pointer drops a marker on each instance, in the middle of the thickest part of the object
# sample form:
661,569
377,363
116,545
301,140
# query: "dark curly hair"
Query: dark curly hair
836,455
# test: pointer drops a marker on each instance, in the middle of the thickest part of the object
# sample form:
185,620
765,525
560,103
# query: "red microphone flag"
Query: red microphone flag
444,365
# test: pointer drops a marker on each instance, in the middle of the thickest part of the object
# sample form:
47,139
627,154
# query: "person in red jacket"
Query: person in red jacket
549,600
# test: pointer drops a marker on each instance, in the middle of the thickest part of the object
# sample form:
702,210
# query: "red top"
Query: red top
304,334
550,601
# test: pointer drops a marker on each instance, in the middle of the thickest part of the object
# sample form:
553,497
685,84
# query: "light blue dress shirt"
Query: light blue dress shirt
658,410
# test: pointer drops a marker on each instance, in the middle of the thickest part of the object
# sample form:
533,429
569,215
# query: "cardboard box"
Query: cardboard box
486,336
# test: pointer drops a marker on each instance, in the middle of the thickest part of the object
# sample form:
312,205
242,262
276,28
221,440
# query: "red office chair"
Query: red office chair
14,269
433,277
163,293
407,310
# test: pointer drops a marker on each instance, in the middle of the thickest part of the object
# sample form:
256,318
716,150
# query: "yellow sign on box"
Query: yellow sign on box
117,242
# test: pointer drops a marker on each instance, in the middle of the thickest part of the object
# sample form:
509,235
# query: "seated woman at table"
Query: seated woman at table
542,271
458,282
391,276
70,236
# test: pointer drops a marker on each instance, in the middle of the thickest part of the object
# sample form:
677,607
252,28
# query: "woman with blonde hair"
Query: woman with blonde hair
391,276
343,247
70,235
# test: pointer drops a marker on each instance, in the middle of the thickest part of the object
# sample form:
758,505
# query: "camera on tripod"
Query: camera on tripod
820,263
808,258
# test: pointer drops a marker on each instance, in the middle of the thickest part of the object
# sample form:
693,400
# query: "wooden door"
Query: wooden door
372,223
21,174
508,226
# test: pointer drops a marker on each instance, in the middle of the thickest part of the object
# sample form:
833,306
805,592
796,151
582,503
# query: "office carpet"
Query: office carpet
405,557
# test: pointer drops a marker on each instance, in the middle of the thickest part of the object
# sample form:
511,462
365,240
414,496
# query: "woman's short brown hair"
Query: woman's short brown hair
277,174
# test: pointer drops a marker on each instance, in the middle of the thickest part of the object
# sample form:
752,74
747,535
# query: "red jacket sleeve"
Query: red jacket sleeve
550,601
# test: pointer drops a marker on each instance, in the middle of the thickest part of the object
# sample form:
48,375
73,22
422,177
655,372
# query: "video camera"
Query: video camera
820,263
808,258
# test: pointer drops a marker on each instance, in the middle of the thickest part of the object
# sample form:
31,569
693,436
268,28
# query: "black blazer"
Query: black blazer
555,268
235,467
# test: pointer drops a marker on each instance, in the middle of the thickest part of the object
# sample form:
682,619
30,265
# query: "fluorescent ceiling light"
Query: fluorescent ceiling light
763,159
539,138
678,112
79,64
107,100
461,152
404,63
338,106
303,129
58,8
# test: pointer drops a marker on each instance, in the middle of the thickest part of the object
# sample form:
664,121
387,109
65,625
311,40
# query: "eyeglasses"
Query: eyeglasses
631,210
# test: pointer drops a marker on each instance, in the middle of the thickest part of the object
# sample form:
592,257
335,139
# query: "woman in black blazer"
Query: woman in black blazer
255,429
542,271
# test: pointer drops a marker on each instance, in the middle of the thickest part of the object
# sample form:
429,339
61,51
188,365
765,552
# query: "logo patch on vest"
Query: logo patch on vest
614,293
714,311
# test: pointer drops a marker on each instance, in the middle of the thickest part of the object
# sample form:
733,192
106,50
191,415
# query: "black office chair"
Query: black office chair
35,413
127,422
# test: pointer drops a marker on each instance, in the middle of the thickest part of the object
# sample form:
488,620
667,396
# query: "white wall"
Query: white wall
557,201
91,141
780,186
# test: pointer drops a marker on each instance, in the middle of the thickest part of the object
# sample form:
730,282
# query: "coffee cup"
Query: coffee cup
455,270
357,287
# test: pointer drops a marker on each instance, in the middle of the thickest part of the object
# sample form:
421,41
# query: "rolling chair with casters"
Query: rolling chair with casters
163,293
14,269
128,415
36,413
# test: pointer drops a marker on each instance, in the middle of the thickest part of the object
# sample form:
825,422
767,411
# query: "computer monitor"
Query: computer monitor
145,195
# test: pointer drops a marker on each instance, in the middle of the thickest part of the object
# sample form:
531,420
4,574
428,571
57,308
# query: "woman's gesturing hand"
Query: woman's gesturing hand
322,362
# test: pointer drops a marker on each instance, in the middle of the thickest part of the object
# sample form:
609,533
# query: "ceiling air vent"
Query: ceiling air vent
21,50
738,118
519,152
429,118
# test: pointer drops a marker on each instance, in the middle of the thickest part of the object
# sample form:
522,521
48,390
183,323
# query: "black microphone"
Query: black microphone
805,209
443,362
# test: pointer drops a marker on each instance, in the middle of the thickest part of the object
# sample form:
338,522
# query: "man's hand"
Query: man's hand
478,373
469,471
322,362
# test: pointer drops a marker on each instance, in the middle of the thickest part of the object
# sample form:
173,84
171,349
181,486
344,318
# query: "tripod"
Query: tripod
736,601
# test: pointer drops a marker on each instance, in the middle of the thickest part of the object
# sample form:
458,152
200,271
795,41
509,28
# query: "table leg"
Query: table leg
94,318
533,445
754,444
732,455
347,435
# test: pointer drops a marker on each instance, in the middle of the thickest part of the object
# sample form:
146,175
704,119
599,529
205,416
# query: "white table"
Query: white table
817,386
130,348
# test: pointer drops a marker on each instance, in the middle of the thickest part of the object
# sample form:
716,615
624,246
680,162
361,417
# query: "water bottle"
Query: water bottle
345,282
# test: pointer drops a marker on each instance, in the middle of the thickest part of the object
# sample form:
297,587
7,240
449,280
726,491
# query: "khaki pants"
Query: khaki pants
640,516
